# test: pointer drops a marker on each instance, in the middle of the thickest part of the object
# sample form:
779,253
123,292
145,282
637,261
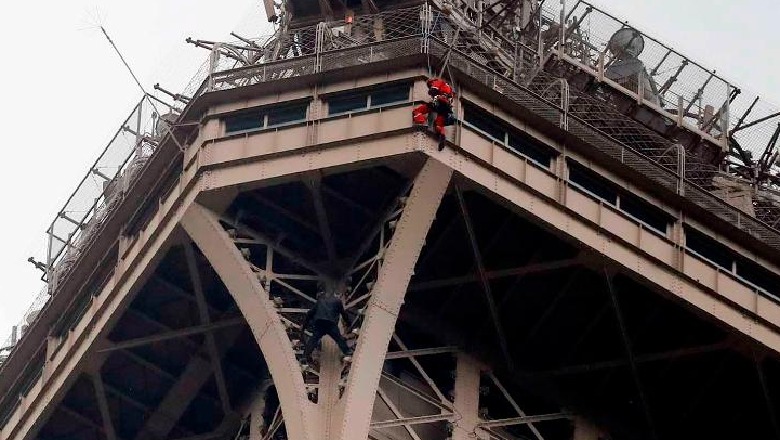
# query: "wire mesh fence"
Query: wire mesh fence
19,329
102,188
593,38
754,122
96,196
638,63
510,67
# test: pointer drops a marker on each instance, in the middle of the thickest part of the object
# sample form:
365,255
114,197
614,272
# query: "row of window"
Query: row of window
500,131
730,261
338,104
698,242
614,195
504,133
266,117
358,101
581,176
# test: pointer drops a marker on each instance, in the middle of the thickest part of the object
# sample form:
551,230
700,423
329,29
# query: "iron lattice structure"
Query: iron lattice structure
574,265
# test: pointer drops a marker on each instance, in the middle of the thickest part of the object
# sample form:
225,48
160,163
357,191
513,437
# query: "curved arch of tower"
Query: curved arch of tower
542,276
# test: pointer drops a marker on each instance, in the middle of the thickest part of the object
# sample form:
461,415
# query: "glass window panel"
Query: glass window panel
593,183
649,214
347,103
708,248
532,149
390,95
484,122
286,114
245,121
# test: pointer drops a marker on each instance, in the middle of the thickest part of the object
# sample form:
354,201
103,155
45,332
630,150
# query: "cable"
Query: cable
138,83
110,41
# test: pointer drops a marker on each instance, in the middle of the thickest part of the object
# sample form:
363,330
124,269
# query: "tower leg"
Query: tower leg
467,378
330,378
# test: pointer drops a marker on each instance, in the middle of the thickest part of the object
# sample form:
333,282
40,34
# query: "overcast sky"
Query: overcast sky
65,93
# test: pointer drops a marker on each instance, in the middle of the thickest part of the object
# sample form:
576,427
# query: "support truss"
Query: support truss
387,297
252,298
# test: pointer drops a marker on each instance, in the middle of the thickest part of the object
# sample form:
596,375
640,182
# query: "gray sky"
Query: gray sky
65,92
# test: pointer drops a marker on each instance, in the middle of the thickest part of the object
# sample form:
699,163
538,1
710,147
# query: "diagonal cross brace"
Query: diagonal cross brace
484,280
387,297
630,354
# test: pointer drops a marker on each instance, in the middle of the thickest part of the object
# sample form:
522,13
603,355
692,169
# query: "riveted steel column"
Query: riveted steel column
205,230
467,377
387,297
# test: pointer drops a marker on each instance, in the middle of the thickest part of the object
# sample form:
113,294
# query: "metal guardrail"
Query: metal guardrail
683,81
101,188
665,175
19,329
679,86
99,192
412,31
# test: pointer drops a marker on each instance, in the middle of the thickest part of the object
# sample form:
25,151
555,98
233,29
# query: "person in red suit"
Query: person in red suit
441,104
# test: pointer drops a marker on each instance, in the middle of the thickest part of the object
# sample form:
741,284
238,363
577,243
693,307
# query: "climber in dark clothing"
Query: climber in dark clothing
325,316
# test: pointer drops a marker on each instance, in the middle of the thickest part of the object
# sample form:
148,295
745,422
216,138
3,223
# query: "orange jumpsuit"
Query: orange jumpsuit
441,104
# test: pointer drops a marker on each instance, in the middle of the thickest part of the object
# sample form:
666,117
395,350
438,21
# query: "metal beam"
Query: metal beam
105,413
433,247
408,421
188,385
551,308
286,212
396,412
127,398
177,290
170,376
164,328
172,288
496,274
204,228
315,189
337,195
379,224
508,293
630,354
468,373
707,385
484,280
531,198
421,370
585,333
415,392
175,334
770,406
488,247
524,420
148,364
244,229
401,354
205,319
387,297
514,404
82,418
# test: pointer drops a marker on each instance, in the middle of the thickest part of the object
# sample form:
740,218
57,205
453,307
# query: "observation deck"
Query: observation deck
579,225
